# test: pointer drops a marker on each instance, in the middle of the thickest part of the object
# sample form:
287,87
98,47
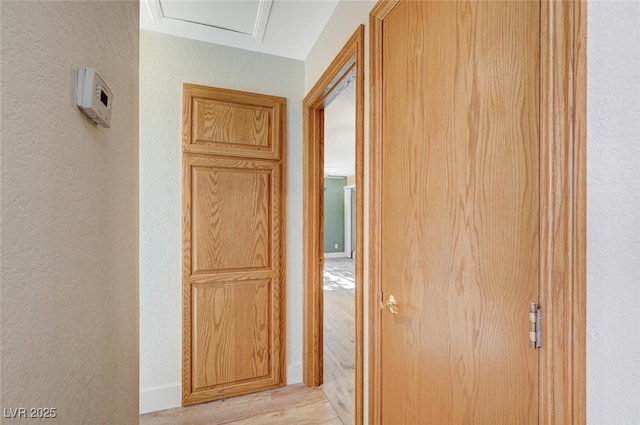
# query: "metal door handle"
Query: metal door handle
390,304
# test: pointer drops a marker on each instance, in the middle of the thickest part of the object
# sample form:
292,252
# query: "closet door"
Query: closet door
233,245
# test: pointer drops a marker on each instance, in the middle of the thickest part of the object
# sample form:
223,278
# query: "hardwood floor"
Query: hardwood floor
331,404
294,404
339,336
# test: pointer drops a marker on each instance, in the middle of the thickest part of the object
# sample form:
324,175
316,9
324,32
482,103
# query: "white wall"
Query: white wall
165,63
613,213
69,277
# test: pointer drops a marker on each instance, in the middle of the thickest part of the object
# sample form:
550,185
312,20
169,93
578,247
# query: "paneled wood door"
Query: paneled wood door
233,250
459,218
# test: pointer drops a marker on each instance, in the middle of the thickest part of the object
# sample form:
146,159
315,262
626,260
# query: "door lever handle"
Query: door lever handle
390,304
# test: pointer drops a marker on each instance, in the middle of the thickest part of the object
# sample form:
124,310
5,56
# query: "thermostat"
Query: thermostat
93,96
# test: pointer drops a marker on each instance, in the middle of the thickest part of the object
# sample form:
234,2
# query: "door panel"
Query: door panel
231,226
460,212
233,262
232,123
231,332
251,124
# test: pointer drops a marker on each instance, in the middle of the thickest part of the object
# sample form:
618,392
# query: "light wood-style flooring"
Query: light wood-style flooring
339,336
331,404
294,404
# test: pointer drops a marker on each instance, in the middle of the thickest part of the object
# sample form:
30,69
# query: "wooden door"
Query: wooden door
233,251
460,212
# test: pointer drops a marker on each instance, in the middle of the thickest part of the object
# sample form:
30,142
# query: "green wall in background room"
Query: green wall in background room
334,214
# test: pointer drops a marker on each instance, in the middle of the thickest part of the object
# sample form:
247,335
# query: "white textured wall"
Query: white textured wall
69,249
165,63
613,214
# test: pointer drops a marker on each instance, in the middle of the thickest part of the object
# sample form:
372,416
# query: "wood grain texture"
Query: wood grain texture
350,57
232,123
312,254
245,126
294,404
563,222
313,211
562,209
204,196
359,218
460,220
231,332
233,266
231,218
376,19
578,215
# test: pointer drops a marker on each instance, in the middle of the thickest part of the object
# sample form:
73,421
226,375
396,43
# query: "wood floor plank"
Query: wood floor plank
317,413
339,336
294,404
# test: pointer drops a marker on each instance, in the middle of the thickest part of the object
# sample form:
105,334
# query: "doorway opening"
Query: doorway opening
338,287
339,250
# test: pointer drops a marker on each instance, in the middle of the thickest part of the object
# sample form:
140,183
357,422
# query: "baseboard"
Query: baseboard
335,254
169,397
294,373
161,398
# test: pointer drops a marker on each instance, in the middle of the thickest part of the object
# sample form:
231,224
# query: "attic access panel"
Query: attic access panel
244,17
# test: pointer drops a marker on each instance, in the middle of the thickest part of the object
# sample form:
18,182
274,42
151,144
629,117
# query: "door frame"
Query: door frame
562,362
348,63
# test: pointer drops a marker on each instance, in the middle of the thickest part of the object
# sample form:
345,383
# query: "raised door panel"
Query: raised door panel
232,214
240,125
232,123
232,328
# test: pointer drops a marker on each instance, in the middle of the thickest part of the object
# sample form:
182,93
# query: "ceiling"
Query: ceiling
286,28
340,134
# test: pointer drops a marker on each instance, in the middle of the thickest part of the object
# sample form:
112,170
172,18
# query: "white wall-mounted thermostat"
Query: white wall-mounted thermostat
93,96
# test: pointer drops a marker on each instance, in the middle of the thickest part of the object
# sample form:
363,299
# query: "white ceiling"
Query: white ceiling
340,134
286,28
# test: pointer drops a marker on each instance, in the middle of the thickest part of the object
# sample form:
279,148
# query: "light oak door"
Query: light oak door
460,212
233,250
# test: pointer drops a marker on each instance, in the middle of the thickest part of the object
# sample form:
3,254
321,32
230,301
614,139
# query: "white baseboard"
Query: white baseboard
169,397
335,254
294,373
160,398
